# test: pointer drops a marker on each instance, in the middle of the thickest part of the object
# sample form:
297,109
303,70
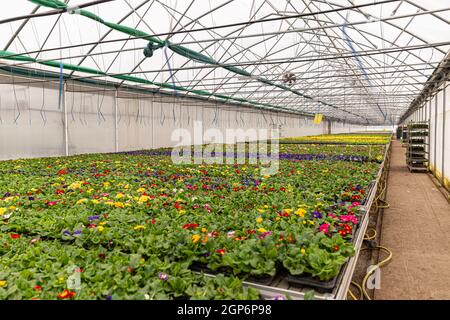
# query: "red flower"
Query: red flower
283,189
221,251
92,225
62,172
15,236
153,221
66,294
59,191
178,206
37,288
190,226
52,203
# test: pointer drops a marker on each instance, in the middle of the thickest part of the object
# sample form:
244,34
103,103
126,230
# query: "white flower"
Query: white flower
147,297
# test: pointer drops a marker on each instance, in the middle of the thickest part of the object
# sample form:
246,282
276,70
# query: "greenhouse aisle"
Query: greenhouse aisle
415,229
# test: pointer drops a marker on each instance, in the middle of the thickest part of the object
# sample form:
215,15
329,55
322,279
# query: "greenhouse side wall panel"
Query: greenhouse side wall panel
90,119
432,104
30,126
32,121
439,134
446,148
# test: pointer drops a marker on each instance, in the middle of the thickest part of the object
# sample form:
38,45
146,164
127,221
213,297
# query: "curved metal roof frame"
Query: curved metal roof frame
347,63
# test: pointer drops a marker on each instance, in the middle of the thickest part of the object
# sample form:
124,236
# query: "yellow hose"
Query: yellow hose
373,236
372,270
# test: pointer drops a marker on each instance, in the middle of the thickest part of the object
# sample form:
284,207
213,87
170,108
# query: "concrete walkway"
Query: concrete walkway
416,228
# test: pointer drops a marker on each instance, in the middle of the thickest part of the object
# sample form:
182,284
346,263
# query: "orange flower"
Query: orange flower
66,294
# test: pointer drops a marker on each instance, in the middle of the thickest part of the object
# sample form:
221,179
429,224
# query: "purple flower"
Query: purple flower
7,195
163,276
31,198
77,232
109,298
265,234
317,215
279,298
92,218
67,233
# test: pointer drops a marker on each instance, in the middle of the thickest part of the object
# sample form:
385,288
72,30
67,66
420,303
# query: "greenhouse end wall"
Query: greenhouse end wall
32,121
436,110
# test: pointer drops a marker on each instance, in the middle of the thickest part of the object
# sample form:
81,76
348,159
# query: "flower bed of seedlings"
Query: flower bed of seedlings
351,139
134,225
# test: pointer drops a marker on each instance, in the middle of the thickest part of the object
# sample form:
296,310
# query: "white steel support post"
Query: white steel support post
66,124
435,134
116,121
443,133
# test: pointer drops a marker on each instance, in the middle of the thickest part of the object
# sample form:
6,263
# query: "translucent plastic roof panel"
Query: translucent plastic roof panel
356,60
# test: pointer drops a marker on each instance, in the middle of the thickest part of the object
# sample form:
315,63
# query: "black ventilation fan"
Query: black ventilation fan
289,78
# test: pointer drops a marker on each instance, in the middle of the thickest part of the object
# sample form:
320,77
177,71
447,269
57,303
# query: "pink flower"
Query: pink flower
331,215
356,204
325,228
349,218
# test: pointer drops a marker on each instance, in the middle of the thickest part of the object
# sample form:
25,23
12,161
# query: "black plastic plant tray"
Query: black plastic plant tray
368,192
315,283
265,280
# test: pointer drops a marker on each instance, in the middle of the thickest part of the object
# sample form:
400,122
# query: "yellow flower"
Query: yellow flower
127,186
119,205
304,222
120,195
3,283
311,222
141,190
259,220
95,201
182,211
300,212
106,184
278,218
261,210
75,185
12,208
102,223
143,199
203,230
262,230
139,227
266,206
81,201
101,228
287,210
195,238
302,250
2,211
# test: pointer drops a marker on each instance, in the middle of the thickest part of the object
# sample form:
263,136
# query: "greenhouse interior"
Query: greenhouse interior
225,150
